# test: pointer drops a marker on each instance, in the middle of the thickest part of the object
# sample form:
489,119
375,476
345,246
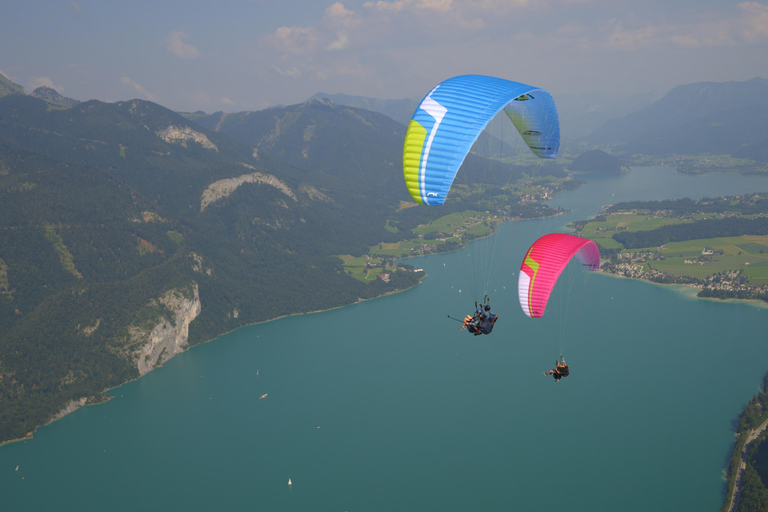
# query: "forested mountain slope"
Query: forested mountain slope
122,218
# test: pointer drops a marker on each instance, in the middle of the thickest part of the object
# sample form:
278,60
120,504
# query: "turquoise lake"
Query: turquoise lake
386,406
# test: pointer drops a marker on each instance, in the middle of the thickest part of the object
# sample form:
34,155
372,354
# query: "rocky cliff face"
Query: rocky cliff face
159,338
184,134
170,334
224,188
70,407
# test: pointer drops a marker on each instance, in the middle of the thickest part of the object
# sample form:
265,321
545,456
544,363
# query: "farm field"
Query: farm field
698,258
601,232
747,252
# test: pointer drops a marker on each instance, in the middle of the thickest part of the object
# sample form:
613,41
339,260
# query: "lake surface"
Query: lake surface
387,406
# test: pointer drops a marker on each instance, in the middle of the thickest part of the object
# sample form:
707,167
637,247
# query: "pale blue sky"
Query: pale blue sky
236,55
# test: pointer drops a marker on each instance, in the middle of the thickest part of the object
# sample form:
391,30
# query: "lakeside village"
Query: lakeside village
727,284
718,245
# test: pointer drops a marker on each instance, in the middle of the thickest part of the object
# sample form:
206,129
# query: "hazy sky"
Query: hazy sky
236,55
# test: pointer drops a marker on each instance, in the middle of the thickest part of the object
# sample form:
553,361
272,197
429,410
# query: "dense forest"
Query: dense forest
753,485
707,228
742,215
748,204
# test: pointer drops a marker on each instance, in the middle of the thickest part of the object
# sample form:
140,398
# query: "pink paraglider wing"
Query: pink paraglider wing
544,262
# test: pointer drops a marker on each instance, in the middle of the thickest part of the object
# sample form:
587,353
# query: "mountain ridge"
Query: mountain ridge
730,115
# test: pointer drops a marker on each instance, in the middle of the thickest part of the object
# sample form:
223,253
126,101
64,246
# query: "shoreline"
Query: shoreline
106,397
733,498
687,289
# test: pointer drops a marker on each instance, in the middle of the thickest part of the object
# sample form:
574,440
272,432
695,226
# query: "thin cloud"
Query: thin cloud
337,14
455,8
339,19
348,48
748,22
339,44
321,48
756,23
411,5
138,88
176,45
622,38
76,9
293,40
292,72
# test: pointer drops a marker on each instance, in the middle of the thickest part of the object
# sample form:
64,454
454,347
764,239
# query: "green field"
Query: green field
753,248
757,272
366,268
734,257
397,249
621,222
746,253
390,228
469,221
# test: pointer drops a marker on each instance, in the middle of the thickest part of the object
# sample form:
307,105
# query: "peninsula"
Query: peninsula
719,246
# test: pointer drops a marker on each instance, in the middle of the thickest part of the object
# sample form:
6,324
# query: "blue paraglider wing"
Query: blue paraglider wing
451,117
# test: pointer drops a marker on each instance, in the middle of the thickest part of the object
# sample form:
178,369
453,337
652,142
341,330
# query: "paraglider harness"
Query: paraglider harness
561,369
482,321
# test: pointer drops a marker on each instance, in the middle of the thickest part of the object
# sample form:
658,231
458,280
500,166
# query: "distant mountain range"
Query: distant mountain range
490,144
708,117
340,140
399,110
579,113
